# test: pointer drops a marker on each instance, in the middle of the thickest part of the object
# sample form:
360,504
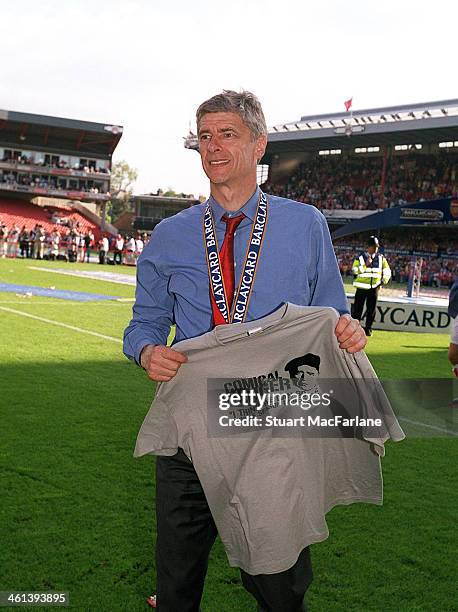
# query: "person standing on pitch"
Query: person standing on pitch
371,270
296,264
453,312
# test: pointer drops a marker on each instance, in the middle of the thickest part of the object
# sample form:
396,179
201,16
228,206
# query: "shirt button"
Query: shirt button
235,234
235,264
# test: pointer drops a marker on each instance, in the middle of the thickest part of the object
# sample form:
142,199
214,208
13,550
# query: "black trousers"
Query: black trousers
185,535
368,296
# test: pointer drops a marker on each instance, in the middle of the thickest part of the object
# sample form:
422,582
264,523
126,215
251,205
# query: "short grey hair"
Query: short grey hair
245,104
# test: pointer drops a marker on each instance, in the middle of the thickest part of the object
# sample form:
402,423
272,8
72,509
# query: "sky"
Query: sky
147,65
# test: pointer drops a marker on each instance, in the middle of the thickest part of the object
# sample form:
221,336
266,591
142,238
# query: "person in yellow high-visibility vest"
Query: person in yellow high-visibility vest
371,270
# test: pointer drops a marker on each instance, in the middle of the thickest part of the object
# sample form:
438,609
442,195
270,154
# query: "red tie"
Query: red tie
226,256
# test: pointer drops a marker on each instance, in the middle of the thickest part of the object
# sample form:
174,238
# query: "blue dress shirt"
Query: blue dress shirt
297,265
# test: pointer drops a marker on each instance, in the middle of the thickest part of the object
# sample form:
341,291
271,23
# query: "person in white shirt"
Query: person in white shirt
131,245
12,241
104,247
3,239
81,247
138,246
55,239
119,246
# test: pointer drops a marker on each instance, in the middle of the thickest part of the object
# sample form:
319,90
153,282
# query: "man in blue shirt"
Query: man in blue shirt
175,285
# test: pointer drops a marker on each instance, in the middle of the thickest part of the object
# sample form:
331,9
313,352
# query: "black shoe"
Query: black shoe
368,332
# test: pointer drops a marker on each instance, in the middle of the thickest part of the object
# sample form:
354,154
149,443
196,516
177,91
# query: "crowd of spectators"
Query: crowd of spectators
355,183
438,252
49,182
69,244
122,249
337,182
89,167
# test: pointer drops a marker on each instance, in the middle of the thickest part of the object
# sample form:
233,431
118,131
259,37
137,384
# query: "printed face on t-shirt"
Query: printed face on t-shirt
306,378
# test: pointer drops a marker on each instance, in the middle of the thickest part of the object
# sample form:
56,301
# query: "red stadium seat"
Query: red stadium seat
25,213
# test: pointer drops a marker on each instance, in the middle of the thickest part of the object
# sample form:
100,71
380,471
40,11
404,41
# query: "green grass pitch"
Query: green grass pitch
77,511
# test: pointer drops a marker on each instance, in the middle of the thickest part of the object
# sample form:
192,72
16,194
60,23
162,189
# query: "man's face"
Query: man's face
227,149
307,377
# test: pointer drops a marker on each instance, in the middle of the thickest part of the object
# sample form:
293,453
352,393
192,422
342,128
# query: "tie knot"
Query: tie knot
232,222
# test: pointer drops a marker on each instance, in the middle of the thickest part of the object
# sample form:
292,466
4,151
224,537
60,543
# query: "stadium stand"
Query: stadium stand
349,183
55,172
68,234
17,212
151,208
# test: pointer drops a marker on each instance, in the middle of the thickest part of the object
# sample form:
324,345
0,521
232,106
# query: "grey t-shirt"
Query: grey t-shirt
269,493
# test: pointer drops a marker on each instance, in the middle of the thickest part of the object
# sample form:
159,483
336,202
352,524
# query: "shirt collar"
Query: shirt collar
249,208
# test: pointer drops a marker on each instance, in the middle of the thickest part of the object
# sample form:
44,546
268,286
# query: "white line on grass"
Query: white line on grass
107,277
411,422
51,322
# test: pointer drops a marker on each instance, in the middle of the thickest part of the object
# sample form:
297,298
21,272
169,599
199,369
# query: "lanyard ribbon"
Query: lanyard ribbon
215,274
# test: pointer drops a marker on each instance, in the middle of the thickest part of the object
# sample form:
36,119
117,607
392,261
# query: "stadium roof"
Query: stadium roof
428,121
390,125
42,132
154,198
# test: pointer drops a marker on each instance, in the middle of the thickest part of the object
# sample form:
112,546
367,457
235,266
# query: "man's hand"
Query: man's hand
350,334
161,362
